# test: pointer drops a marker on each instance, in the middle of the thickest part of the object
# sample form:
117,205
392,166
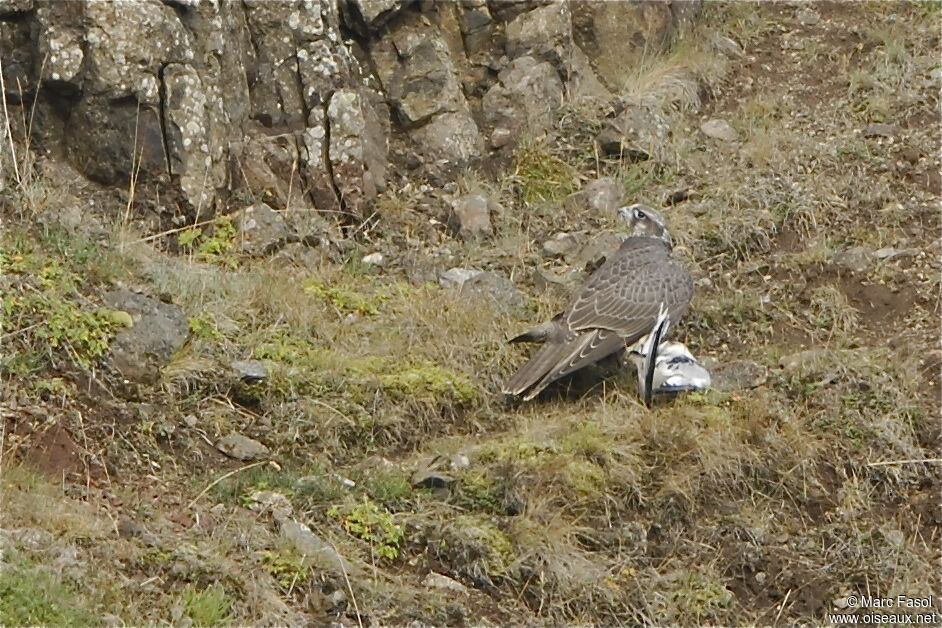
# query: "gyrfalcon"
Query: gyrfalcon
616,306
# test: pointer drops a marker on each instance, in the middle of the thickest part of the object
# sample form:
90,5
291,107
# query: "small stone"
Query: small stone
111,621
426,478
456,277
738,375
728,47
471,216
250,370
271,502
261,230
808,17
602,196
128,528
636,134
308,544
801,359
373,259
543,278
500,289
856,258
338,598
438,581
562,244
719,129
241,447
879,129
159,329
593,253
501,137
190,420
890,252
459,462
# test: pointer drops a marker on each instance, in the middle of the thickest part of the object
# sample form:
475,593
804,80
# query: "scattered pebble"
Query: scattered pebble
426,478
250,370
455,277
738,375
373,259
879,129
719,129
241,447
438,581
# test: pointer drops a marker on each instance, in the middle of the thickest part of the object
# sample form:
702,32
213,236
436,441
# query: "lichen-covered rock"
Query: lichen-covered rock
500,290
637,134
544,33
241,447
524,100
471,216
315,162
270,165
451,141
419,75
195,153
12,7
366,16
271,98
15,45
357,149
139,352
476,26
127,45
617,35
601,197
100,141
60,43
260,230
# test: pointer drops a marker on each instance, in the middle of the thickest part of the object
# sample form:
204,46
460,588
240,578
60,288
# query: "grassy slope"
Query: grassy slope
722,508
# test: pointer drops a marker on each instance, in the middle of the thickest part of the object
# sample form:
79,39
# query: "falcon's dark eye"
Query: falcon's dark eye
640,215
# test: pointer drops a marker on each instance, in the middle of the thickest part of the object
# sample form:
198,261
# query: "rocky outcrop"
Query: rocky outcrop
309,103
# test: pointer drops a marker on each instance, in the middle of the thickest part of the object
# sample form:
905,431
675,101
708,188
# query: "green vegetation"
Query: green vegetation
210,606
49,315
31,594
342,298
426,380
213,248
372,523
287,570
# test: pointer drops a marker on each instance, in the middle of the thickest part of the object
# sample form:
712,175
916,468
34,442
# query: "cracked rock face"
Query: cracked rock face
301,103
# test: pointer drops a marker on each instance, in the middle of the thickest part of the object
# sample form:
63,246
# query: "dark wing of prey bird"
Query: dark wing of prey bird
616,306
651,345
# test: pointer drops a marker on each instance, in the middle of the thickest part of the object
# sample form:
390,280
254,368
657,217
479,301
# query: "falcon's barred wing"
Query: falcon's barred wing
583,350
625,294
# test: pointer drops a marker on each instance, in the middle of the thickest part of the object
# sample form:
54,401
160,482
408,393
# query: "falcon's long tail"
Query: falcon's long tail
543,361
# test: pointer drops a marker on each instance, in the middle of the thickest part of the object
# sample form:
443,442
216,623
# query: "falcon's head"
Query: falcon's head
644,221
